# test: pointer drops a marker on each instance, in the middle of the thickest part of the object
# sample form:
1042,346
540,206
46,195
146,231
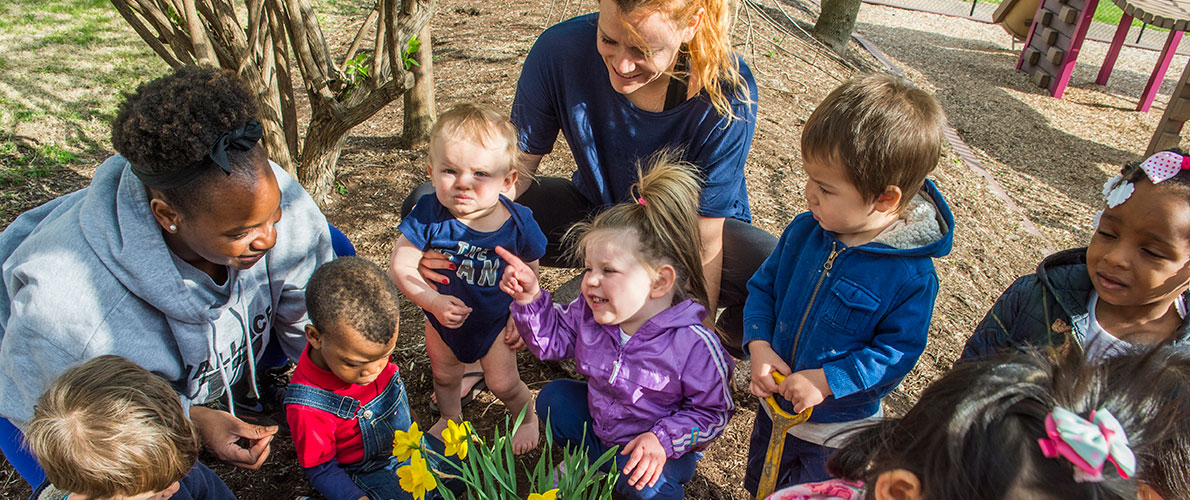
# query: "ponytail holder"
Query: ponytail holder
641,200
1164,165
1157,168
1089,445
242,139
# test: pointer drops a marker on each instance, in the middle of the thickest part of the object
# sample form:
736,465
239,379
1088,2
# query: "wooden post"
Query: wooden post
1114,49
1158,75
1169,128
1076,42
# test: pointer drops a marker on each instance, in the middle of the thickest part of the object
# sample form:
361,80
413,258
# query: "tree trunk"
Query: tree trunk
835,23
420,109
325,137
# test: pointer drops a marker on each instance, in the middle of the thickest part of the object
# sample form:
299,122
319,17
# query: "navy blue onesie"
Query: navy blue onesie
476,278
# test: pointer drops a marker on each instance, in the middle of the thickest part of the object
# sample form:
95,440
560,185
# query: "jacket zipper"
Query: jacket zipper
826,267
616,364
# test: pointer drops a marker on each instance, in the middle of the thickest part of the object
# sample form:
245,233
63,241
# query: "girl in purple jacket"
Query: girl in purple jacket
657,379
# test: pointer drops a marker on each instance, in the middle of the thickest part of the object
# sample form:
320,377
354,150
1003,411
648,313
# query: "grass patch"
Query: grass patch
21,163
65,67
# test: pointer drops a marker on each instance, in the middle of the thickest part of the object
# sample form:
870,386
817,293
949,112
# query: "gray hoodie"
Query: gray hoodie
89,273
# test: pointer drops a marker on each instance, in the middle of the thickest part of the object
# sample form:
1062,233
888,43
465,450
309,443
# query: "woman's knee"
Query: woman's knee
416,194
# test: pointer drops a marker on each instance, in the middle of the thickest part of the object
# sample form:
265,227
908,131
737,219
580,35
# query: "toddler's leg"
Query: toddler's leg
563,403
503,379
448,374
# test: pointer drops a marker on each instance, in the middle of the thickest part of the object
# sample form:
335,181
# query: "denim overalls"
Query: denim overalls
386,413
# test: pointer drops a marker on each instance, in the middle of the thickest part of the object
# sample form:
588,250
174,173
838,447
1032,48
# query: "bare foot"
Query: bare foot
439,427
527,435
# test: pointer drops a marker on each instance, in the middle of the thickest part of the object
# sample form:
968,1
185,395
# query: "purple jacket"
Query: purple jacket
671,378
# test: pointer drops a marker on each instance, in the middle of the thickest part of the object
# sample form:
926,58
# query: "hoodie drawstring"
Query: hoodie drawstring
231,407
251,354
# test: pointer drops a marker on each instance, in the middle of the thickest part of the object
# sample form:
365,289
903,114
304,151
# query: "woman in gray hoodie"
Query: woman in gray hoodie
188,253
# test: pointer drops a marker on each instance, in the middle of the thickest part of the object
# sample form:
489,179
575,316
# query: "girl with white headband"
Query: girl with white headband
1127,287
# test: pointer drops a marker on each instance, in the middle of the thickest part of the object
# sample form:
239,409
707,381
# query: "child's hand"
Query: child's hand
764,361
449,310
805,389
647,461
512,338
519,280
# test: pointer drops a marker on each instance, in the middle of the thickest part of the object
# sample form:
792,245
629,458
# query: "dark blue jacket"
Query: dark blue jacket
1038,309
199,484
866,314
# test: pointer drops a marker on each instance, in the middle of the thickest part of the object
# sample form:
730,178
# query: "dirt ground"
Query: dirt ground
1050,156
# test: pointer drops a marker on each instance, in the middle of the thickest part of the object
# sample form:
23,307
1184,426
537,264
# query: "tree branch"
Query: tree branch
145,34
256,29
198,36
284,83
381,62
359,36
315,76
173,34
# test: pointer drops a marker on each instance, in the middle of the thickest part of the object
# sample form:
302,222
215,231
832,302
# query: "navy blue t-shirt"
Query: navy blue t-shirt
564,86
476,278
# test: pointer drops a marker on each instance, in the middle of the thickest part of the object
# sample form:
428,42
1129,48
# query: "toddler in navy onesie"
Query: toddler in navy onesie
472,165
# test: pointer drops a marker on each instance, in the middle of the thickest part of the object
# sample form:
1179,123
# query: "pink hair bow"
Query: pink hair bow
1164,165
1088,444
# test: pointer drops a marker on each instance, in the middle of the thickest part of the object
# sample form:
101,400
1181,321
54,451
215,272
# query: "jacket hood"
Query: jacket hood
125,236
1064,274
683,314
925,230
123,233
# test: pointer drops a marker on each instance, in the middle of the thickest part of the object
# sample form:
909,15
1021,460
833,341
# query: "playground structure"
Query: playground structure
1059,27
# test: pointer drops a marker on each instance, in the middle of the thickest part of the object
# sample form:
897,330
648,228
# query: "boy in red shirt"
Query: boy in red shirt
346,397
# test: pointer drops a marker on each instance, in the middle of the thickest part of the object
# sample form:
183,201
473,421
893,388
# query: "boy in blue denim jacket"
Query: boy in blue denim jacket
843,305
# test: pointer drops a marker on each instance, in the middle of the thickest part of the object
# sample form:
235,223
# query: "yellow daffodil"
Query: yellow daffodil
416,478
456,437
407,444
549,495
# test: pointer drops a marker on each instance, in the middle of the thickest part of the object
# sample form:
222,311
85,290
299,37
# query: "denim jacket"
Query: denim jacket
672,377
862,314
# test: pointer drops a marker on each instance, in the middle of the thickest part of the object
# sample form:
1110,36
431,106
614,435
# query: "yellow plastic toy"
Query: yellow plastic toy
782,422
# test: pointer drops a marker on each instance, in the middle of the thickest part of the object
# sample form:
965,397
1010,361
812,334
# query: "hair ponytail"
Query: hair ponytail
712,62
664,217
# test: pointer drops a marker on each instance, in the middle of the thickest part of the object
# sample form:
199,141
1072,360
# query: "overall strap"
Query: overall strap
321,399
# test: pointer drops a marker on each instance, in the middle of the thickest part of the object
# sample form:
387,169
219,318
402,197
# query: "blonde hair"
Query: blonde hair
110,428
478,123
712,61
882,130
664,219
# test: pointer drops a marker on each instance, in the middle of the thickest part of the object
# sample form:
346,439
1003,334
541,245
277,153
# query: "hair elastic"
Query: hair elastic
242,139
1088,444
1157,168
641,200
